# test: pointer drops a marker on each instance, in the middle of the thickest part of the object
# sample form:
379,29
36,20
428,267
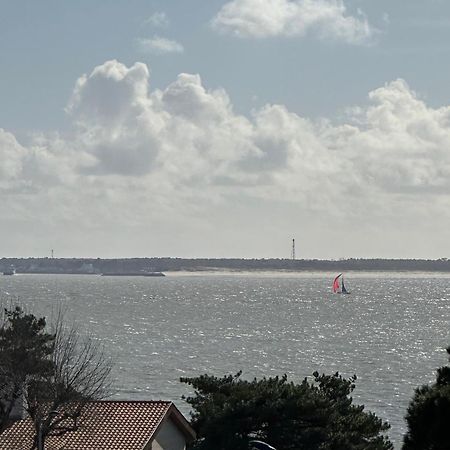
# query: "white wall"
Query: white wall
169,438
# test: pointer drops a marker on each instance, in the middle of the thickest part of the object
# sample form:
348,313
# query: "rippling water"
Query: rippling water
391,332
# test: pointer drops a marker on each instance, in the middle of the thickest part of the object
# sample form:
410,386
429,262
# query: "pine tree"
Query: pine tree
228,412
25,352
428,415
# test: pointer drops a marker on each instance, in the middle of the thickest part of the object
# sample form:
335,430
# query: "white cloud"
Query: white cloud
108,92
12,155
395,145
159,45
179,158
328,19
157,19
112,109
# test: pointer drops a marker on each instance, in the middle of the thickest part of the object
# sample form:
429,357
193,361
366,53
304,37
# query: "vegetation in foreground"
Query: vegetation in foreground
55,372
228,412
428,415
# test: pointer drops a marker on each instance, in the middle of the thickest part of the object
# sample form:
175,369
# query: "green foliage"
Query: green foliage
25,346
25,354
428,415
318,415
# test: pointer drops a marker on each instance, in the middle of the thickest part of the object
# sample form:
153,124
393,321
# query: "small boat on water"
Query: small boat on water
10,271
339,286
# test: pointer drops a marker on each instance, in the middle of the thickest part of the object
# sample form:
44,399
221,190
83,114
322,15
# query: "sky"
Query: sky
225,128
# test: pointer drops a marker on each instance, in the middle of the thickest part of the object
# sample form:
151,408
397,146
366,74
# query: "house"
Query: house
112,425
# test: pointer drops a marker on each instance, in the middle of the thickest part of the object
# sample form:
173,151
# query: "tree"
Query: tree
228,412
25,351
428,415
56,372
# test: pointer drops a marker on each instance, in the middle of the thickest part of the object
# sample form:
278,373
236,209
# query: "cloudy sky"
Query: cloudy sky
225,128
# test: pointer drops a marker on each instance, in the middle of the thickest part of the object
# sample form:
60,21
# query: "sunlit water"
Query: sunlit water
391,331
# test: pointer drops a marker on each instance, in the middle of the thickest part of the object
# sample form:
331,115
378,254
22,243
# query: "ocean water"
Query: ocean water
391,331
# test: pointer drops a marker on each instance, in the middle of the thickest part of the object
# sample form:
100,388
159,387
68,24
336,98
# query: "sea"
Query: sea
391,331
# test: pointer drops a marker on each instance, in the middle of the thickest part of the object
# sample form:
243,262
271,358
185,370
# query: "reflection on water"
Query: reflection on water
391,331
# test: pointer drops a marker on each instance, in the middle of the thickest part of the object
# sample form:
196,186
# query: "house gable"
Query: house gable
168,437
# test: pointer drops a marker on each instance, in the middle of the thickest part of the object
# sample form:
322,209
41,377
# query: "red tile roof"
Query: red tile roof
104,425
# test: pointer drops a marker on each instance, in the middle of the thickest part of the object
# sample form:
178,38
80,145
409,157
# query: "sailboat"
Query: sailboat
339,286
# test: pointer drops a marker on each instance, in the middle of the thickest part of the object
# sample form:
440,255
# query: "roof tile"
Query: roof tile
104,425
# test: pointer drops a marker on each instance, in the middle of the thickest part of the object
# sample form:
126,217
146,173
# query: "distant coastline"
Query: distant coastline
139,265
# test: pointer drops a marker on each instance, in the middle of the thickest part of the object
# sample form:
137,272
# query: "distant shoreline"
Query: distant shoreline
211,265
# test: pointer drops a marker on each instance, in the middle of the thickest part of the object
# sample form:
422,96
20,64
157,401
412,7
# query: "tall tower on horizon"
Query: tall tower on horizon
293,249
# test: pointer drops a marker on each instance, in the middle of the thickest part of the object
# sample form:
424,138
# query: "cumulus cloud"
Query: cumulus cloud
159,45
397,144
327,19
109,91
112,110
170,156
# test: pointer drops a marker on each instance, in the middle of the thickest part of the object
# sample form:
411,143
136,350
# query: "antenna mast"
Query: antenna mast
293,249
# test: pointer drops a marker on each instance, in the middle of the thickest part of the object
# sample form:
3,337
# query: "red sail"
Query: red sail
336,286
